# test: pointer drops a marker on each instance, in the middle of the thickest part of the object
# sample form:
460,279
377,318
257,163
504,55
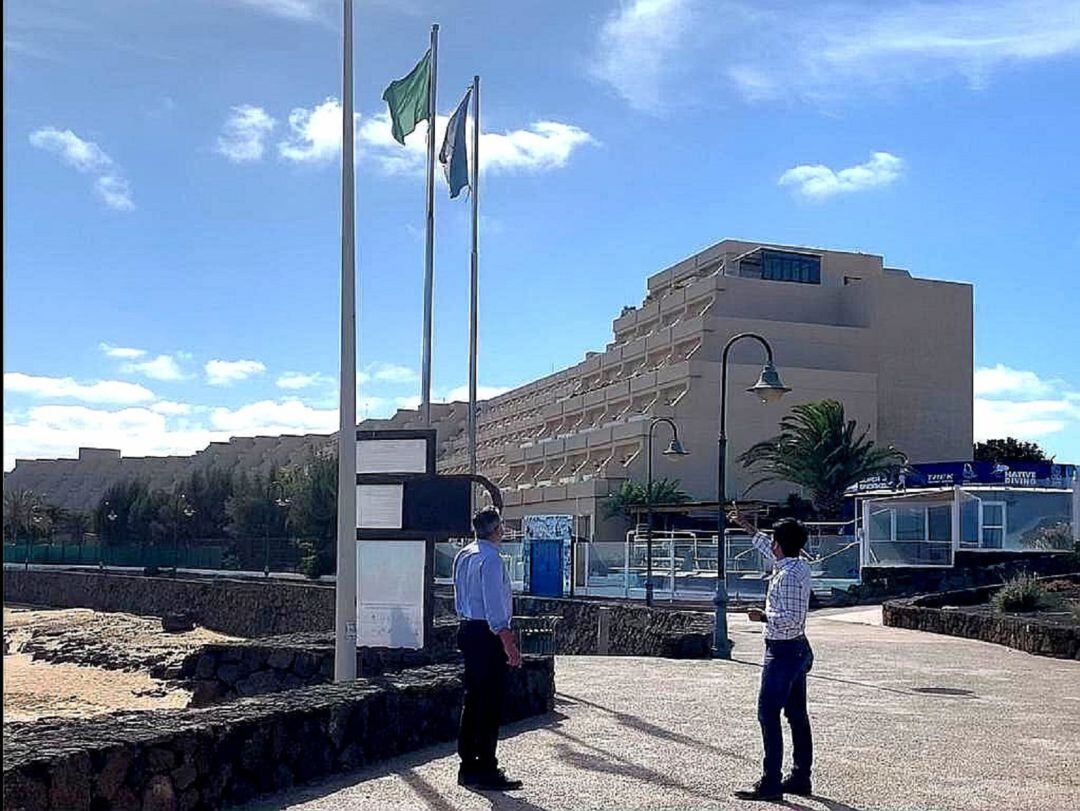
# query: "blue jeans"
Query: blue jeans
783,687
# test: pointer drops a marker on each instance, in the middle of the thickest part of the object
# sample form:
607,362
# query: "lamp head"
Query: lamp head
769,387
675,448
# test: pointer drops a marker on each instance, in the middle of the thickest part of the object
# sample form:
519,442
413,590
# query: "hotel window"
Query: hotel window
790,267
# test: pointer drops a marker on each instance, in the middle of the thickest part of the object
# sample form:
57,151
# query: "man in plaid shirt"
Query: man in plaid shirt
788,658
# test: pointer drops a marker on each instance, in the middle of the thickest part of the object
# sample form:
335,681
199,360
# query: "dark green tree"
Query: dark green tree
1009,450
821,451
630,499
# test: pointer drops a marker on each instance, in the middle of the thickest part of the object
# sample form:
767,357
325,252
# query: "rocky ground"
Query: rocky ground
78,662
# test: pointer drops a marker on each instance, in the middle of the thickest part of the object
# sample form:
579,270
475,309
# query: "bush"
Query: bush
1057,535
311,564
1024,593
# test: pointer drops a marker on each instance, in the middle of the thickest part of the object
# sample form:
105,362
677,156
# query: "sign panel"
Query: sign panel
948,474
391,456
390,594
379,506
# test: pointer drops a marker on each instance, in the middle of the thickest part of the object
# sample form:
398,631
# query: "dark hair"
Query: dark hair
791,535
486,521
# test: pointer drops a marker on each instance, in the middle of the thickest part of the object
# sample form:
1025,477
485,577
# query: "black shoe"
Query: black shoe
467,777
795,784
496,781
760,791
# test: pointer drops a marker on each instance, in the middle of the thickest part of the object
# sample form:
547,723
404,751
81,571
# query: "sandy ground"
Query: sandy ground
902,720
53,658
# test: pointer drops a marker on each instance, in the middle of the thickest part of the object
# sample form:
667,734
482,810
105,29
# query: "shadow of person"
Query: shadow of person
505,802
829,804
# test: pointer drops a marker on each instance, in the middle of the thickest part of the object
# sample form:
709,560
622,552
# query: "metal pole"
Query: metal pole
648,519
429,249
721,643
474,273
345,587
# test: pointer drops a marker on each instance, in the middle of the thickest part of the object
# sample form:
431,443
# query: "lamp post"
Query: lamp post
674,449
768,388
187,511
110,516
281,502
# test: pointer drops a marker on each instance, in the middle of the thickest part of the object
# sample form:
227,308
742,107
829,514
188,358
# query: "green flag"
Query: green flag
408,99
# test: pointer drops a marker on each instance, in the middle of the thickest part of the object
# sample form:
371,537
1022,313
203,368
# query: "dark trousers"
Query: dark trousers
783,687
485,679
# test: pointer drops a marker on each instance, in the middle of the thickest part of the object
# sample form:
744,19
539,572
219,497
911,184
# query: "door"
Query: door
546,568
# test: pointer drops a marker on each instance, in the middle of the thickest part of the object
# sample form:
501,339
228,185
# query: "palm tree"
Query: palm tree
819,450
20,509
632,494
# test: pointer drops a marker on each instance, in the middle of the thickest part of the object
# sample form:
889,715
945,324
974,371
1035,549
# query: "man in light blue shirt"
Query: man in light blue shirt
484,606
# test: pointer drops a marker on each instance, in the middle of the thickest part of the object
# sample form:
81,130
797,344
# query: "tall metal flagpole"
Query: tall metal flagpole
345,590
429,252
474,280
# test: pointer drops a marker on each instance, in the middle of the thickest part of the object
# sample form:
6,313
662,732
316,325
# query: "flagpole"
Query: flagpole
345,585
474,273
429,252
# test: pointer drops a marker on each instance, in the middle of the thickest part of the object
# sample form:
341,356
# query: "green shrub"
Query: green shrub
1024,593
311,564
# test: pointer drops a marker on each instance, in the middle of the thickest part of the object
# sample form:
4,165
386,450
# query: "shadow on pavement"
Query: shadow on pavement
819,677
830,805
404,765
641,725
610,763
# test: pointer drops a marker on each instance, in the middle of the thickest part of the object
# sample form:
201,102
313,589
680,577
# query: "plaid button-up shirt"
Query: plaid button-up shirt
788,598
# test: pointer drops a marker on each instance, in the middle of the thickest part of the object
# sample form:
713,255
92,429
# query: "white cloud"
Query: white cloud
115,191
121,351
163,367
88,158
170,408
315,134
388,373
102,391
661,53
242,139
819,181
289,9
299,380
635,48
1019,403
268,418
226,372
51,431
315,137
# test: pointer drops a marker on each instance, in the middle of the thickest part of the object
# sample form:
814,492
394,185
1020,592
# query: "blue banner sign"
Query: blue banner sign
949,474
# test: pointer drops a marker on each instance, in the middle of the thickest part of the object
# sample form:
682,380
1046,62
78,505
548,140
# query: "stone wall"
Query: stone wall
972,569
224,671
230,753
629,629
247,608
257,608
957,613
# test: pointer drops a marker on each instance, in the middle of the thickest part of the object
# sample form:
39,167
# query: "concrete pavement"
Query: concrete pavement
902,720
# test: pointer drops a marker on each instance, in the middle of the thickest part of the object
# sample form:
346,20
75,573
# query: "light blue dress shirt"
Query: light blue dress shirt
482,585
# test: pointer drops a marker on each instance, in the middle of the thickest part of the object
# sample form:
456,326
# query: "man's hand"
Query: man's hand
513,655
756,615
740,520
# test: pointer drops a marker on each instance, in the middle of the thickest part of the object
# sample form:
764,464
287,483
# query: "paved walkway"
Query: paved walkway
902,720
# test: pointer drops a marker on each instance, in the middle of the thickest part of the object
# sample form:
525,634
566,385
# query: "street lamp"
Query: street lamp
183,508
110,516
769,388
674,449
281,502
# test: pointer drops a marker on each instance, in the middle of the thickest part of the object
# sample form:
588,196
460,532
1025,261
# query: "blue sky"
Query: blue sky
171,193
